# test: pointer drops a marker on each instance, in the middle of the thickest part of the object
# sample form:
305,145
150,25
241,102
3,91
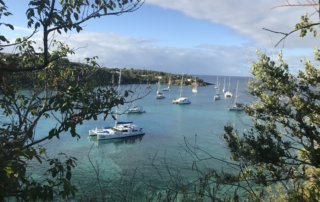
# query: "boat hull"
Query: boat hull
117,136
181,101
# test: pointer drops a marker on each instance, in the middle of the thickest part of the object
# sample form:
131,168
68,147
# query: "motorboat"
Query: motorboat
120,130
181,101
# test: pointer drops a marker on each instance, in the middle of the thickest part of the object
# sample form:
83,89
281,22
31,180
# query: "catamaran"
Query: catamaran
181,100
119,130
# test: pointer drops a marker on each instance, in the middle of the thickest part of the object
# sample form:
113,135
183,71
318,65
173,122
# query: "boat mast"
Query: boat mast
235,99
181,86
224,84
118,90
158,86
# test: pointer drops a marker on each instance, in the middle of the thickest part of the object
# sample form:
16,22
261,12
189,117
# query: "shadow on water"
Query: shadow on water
127,140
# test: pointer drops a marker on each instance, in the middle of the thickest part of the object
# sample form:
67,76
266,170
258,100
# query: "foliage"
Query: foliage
59,92
279,156
283,144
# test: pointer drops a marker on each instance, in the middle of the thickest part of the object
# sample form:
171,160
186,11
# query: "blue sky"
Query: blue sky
209,37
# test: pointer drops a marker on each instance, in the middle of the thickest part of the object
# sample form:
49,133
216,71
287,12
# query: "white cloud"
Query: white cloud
120,51
246,17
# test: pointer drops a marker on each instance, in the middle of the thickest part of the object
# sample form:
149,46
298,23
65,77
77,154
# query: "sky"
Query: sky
207,37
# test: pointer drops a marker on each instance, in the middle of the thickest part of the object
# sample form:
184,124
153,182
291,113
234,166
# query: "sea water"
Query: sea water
173,134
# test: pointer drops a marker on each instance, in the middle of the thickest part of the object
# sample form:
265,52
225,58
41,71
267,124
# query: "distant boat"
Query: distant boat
181,100
159,94
120,129
169,86
195,87
217,95
136,110
236,106
217,83
228,94
224,85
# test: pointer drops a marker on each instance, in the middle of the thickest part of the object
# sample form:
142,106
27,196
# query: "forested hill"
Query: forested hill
100,76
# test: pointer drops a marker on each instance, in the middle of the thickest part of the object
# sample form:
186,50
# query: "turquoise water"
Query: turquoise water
168,127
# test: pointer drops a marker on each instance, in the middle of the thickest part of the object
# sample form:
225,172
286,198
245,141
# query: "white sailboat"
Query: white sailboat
216,86
119,130
217,95
159,94
236,106
169,86
195,87
228,94
181,100
224,85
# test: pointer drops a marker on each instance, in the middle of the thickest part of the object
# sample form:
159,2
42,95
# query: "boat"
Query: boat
119,130
159,94
217,95
236,106
181,100
136,110
216,86
228,94
195,87
224,85
169,86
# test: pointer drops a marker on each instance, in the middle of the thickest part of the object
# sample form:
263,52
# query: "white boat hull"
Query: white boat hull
104,136
120,130
181,101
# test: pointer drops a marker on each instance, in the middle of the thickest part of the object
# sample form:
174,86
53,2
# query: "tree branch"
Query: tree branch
289,33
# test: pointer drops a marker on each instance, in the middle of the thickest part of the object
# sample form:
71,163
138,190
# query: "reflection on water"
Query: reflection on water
127,140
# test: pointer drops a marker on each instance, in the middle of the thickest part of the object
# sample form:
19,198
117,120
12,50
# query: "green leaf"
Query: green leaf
2,38
76,16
